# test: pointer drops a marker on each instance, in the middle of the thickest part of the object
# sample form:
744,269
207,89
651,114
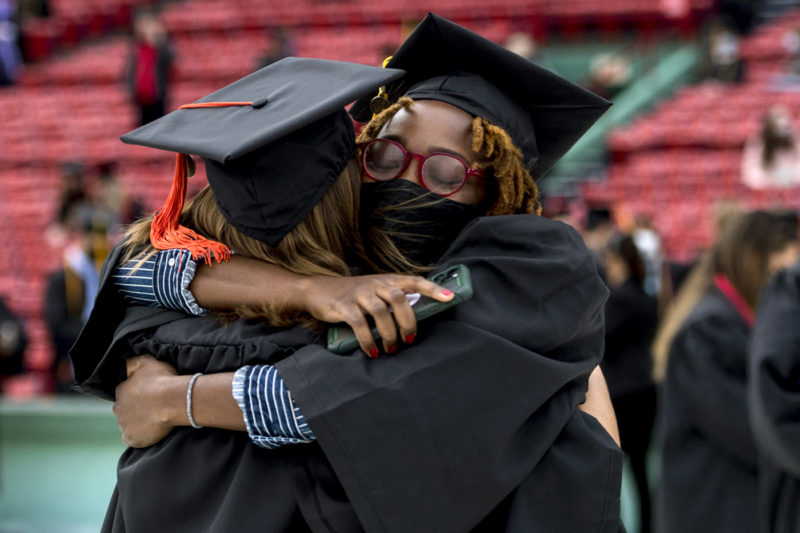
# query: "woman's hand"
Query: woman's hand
246,281
148,401
351,299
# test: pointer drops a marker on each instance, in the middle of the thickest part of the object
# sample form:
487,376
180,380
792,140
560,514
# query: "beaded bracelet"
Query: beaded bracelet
189,400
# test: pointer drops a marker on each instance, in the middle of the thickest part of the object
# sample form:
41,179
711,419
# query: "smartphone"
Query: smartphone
342,339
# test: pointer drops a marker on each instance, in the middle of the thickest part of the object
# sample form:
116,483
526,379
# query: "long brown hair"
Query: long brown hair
775,139
741,253
318,246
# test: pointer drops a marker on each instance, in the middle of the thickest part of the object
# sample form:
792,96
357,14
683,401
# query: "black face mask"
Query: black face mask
422,225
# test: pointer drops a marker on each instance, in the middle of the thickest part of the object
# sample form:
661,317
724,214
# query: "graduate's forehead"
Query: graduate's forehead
429,125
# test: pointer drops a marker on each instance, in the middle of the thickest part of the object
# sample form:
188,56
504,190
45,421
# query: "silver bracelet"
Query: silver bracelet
189,400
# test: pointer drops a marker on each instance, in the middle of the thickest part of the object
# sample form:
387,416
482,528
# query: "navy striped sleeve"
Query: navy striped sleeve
161,280
270,414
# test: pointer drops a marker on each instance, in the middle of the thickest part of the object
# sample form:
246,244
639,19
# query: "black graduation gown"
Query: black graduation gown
774,394
473,427
709,459
631,320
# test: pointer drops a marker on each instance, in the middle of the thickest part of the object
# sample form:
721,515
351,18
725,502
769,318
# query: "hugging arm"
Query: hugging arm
172,280
481,399
153,400
255,399
132,421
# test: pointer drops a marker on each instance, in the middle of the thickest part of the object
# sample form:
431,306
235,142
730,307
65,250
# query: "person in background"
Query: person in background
70,290
609,74
771,156
722,61
13,342
774,402
631,320
149,63
73,195
649,244
597,231
709,461
280,46
113,202
10,56
525,45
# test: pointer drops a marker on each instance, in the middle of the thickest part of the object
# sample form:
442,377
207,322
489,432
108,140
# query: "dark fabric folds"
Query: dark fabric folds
774,401
709,461
474,427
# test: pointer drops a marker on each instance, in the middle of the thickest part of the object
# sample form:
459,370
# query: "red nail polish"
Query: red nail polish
446,292
373,352
409,339
391,349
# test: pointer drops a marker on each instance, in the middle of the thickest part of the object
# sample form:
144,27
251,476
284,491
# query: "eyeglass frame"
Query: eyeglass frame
408,156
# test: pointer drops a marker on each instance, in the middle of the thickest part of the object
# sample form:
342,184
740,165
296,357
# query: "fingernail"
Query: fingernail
446,292
373,352
410,338
391,349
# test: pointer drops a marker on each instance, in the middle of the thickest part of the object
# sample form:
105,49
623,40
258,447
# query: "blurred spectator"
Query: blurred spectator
523,44
70,291
280,46
722,61
72,196
631,319
598,230
12,343
789,79
149,65
113,202
771,157
649,244
34,8
609,74
113,198
10,57
73,191
791,43
709,461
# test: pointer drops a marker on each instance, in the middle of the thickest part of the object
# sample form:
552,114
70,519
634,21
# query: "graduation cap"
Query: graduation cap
273,143
543,113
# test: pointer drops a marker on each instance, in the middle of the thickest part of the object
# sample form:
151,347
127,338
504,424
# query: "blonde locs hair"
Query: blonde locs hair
513,188
318,246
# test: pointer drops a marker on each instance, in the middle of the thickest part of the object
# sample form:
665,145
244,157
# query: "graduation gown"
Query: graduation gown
631,320
709,460
474,427
775,402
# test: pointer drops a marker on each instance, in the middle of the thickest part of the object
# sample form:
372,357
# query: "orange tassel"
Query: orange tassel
166,233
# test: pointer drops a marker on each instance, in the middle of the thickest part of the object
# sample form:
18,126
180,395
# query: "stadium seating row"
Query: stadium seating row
676,163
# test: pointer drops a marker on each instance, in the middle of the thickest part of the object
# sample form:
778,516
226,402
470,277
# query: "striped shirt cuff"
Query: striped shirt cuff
270,414
162,280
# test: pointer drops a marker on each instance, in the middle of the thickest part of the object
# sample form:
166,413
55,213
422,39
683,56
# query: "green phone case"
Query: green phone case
342,339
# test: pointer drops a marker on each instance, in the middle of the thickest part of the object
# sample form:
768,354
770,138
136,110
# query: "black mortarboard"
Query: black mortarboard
273,143
543,113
